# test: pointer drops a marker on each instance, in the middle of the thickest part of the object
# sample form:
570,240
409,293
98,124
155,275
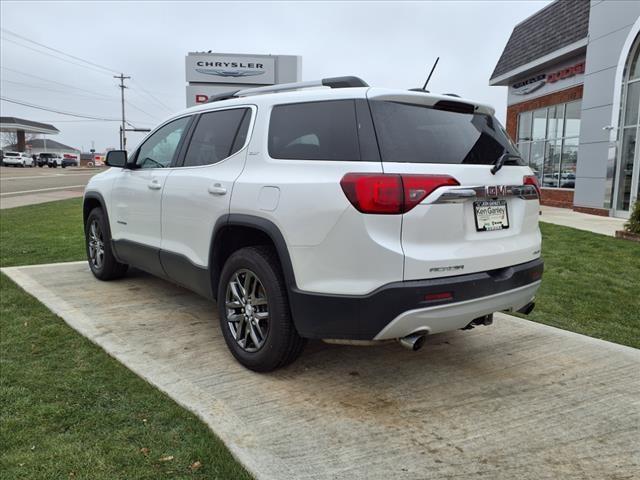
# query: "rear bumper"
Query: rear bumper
400,308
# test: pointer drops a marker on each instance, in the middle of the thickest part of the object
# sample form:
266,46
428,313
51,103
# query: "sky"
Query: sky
388,44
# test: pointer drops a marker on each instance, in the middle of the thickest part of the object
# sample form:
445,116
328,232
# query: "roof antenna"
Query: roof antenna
424,87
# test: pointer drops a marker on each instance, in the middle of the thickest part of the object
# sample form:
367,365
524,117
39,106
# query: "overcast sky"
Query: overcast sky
388,44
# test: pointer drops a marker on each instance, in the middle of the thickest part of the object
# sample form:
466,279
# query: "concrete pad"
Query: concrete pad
514,400
582,221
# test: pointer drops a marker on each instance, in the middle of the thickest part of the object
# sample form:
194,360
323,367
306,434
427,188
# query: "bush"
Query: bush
633,225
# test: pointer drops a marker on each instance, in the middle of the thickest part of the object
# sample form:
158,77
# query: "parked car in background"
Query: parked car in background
51,160
17,159
69,162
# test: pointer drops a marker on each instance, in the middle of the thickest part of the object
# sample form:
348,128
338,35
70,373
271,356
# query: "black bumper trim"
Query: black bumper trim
362,317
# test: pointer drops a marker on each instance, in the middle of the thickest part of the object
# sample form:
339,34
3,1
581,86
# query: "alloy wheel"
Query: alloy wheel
247,310
96,245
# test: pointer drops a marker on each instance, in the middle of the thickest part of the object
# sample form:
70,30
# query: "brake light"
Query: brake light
389,194
532,180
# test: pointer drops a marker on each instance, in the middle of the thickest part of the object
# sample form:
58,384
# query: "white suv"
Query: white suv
349,214
17,159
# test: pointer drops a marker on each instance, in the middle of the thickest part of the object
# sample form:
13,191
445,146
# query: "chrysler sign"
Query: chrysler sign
212,68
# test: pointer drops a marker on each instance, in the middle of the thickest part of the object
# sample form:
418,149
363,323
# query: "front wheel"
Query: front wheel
102,262
254,310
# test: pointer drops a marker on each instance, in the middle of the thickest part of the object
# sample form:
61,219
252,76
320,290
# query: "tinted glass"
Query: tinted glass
551,174
419,134
633,99
217,136
634,70
524,126
572,119
536,158
314,131
160,148
569,161
539,124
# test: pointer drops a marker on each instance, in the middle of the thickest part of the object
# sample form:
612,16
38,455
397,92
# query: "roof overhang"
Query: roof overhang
563,53
14,127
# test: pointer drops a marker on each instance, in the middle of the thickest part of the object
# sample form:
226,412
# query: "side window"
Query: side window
217,136
314,131
160,148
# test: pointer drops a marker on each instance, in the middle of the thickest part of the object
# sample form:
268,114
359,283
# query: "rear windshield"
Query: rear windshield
11,154
418,134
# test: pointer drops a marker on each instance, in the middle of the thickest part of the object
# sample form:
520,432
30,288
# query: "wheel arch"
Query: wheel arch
93,200
90,201
234,231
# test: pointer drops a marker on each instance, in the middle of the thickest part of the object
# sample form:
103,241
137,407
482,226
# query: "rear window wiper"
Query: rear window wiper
502,159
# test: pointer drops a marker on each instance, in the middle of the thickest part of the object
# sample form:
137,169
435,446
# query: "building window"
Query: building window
548,141
627,187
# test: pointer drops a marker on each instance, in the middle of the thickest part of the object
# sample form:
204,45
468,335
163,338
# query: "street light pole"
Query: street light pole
123,138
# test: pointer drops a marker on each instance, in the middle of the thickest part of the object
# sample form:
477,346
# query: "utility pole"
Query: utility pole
123,138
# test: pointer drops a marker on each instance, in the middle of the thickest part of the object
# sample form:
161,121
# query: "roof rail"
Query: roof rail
334,82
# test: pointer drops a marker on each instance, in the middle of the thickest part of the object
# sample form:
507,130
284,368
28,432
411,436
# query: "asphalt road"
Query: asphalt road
26,186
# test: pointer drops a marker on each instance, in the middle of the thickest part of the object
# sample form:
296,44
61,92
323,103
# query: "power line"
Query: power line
141,110
110,70
54,56
89,65
55,82
153,97
71,114
93,121
40,87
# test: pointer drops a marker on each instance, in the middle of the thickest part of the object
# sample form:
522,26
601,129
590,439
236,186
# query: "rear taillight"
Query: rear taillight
390,193
532,180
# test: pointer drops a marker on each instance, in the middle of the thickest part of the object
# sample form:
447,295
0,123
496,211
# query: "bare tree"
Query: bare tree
11,138
8,138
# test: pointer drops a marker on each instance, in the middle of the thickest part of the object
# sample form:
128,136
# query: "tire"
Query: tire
104,266
281,343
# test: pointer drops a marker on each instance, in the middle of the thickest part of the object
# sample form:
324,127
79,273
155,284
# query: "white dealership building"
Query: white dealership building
573,75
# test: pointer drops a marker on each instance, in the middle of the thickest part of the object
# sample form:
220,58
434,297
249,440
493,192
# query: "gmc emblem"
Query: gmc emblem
495,190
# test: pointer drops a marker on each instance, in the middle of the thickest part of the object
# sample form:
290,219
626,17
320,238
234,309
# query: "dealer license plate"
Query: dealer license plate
491,215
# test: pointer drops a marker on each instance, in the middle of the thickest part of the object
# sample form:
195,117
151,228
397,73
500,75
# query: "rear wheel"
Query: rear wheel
254,311
102,262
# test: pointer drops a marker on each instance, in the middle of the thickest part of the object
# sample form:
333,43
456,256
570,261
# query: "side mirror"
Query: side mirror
116,158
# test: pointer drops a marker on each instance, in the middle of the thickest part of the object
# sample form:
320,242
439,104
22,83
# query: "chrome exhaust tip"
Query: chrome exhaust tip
413,342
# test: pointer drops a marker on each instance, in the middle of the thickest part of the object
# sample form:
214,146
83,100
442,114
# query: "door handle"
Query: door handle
154,184
217,189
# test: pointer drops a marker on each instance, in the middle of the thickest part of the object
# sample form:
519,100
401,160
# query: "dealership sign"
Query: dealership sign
536,82
215,68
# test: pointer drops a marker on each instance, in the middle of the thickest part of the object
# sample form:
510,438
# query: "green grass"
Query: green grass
67,409
591,285
49,232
